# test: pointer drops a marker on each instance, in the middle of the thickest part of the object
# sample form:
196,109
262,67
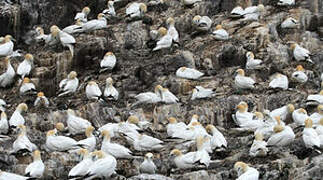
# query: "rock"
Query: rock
202,174
232,56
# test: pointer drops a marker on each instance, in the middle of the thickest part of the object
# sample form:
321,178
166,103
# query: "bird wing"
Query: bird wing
79,15
109,62
24,68
237,11
6,48
132,8
66,38
81,168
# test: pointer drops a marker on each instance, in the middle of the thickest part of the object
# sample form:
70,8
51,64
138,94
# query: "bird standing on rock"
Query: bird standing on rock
41,100
246,172
64,38
165,41
148,166
220,33
110,12
300,53
6,49
22,143
36,168
136,10
252,63
110,91
27,87
310,136
25,67
7,78
82,167
83,15
16,118
108,62
95,24
75,124
243,82
69,85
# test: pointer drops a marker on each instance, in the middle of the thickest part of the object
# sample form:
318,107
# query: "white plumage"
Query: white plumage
282,137
174,126
168,97
95,24
69,85
93,91
82,167
6,48
150,97
289,23
282,112
252,63
148,166
7,77
109,61
316,97
16,118
114,149
188,73
59,143
82,16
165,42
200,92
190,2
286,2
221,34
22,142
279,81
37,167
41,100
237,11
243,82
104,167
90,142
4,126
76,125
184,161
217,139
110,11
299,116
136,10
26,87
75,28
310,136
300,76
202,23
11,176
110,91
300,53
25,66
144,142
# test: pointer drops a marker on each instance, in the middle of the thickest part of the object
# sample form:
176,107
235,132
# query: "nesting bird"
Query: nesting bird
259,146
286,2
282,112
75,28
188,73
136,10
41,36
110,91
36,168
41,100
283,136
299,75
217,139
317,98
69,85
202,23
317,116
279,81
300,53
59,143
114,149
243,82
7,175
83,15
174,126
252,63
299,116
310,136
7,78
148,166
82,167
220,33
25,67
170,22
142,142
4,126
168,97
16,118
22,143
27,87
150,97
252,13
190,2
93,91
165,41
184,161
90,142
64,38
200,92
75,124
110,12
95,24
289,23
108,62
246,172
6,49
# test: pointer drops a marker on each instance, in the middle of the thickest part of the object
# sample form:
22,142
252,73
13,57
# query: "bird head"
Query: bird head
26,80
143,7
50,133
250,55
92,83
300,68
196,19
261,8
293,46
100,16
60,126
99,154
8,38
158,89
72,75
149,156
278,128
54,30
308,123
22,107
172,120
40,30
40,94
109,54
22,127
291,108
36,155
209,128
259,115
3,115
109,81
133,119
240,72
88,131
240,166
259,137
176,152
218,27
320,109
303,111
242,107
82,152
29,57
86,10
170,21
110,3
106,134
78,22
162,31
70,112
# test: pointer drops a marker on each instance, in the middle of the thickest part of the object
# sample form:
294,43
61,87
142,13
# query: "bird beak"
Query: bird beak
13,39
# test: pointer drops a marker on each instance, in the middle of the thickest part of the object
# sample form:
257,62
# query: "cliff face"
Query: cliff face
139,70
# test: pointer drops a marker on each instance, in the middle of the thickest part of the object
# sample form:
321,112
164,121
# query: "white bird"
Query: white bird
59,143
25,67
82,167
95,24
168,97
220,33
110,11
319,130
317,116
110,91
299,116
299,75
246,172
83,15
90,142
93,91
69,85
130,126
144,142
279,81
286,2
114,149
41,100
104,167
188,73
243,82
174,126
11,176
27,87
184,161
252,63
41,36
252,13
113,128
202,23
246,119
310,136
136,10
22,143
150,97
170,22
16,118
283,136
237,11
75,28
242,115
202,154
289,23
282,111
3,105
6,49
75,124
200,92
165,41
259,146
4,126
7,78
217,139
148,166
36,168
65,39
190,2
108,62
318,98
300,53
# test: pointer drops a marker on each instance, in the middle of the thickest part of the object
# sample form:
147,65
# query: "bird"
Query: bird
136,10
184,161
190,2
299,116
174,126
103,167
283,136
142,142
282,112
83,15
110,11
75,124
27,87
41,36
188,73
6,49
65,39
279,81
41,100
200,92
170,22
130,126
75,28
217,139
150,97
220,33
90,142
316,117
7,78
319,130
300,53
148,166
95,24
168,97
17,118
114,149
252,13
4,126
59,143
242,115
69,85
82,167
22,143
3,105
93,92
36,168
202,154
25,67
289,23
202,23
259,146
286,2
299,75
316,98
310,136
253,63
165,41
108,62
238,11
59,127
245,172
110,91
6,175
243,82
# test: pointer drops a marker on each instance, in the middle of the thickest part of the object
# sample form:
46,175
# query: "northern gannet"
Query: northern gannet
184,161
144,142
245,172
319,130
283,136
301,53
202,154
165,41
242,115
65,39
95,24
316,117
259,146
220,33
110,91
93,91
7,77
217,139
286,2
170,22
75,28
243,82
108,62
59,143
11,176
282,111
75,124
36,168
83,15
150,97
252,13
202,23
110,11
299,75
90,142
173,126
136,10
6,49
289,23
3,105
317,98
188,73
310,136
252,63
190,2
237,11
103,167
168,97
22,143
69,85
41,100
299,116
27,87
16,118
41,36
25,67
200,92
148,166
82,167
279,81
4,126
114,149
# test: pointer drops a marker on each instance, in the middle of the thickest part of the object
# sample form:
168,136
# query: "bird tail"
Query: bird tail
71,48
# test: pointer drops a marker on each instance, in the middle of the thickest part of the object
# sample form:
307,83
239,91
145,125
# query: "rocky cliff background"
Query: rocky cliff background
139,70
